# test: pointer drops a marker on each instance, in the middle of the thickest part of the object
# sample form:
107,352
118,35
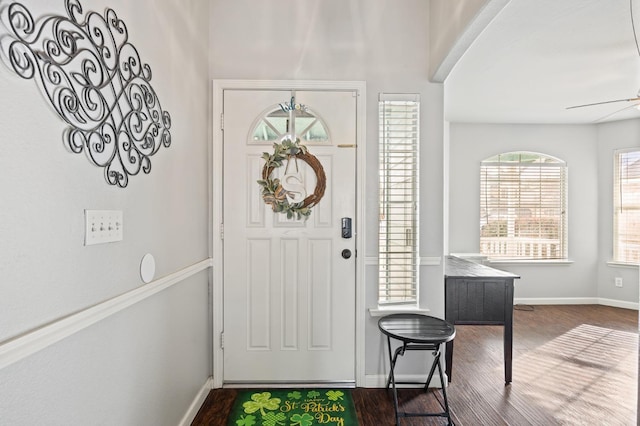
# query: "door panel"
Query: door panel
289,295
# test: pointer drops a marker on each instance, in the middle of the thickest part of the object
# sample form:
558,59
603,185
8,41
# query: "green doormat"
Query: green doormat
293,407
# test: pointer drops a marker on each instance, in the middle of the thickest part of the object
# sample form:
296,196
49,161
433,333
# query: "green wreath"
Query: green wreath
272,191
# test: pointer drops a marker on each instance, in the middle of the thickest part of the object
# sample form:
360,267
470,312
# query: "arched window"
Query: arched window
523,207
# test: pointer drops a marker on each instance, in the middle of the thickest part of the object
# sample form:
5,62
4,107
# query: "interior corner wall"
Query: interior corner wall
381,42
574,144
144,364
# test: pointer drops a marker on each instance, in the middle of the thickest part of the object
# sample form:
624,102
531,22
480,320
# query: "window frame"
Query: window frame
618,207
531,226
398,269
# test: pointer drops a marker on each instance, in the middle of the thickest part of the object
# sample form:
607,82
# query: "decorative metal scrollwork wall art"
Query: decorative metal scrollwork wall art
94,79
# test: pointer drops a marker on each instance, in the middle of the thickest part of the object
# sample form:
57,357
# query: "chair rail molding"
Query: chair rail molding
14,350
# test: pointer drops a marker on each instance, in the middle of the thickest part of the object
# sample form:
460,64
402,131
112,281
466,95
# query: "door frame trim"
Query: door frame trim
215,208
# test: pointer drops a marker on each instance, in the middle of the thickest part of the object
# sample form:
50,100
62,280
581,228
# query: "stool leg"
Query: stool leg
436,355
444,392
399,351
392,379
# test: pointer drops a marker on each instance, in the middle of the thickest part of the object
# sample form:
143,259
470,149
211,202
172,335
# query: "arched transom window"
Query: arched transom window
279,122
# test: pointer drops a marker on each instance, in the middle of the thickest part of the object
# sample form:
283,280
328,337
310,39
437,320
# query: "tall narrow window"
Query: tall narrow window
523,206
399,135
626,206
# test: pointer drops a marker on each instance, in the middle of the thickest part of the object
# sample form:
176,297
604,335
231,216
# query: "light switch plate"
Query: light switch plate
103,226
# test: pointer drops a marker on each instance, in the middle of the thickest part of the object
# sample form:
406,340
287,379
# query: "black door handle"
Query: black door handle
346,253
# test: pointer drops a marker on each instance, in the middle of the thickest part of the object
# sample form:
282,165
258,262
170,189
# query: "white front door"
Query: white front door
289,284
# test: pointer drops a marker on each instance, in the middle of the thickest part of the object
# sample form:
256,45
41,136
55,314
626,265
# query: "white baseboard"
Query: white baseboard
380,380
575,301
619,304
555,301
197,403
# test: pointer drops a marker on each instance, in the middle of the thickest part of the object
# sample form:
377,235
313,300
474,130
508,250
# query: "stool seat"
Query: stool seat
417,332
415,328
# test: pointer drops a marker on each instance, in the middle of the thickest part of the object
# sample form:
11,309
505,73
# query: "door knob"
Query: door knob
346,253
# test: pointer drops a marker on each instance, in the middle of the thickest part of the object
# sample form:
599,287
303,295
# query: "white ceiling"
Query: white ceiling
538,57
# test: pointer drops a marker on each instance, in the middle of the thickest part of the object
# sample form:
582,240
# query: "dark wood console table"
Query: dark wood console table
476,294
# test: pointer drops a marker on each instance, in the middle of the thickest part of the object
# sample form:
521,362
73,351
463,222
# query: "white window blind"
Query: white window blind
523,205
399,133
626,203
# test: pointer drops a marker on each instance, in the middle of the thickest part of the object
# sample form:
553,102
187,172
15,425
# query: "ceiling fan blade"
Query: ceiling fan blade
605,102
614,113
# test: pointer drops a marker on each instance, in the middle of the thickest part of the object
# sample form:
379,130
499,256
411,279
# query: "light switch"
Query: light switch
102,226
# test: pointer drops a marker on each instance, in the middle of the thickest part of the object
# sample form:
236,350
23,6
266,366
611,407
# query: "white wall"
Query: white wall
147,363
588,151
375,41
575,144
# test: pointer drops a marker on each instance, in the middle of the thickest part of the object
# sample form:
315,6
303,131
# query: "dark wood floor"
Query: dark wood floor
573,365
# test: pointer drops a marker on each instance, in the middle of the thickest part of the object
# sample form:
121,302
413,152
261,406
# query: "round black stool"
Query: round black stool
418,333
